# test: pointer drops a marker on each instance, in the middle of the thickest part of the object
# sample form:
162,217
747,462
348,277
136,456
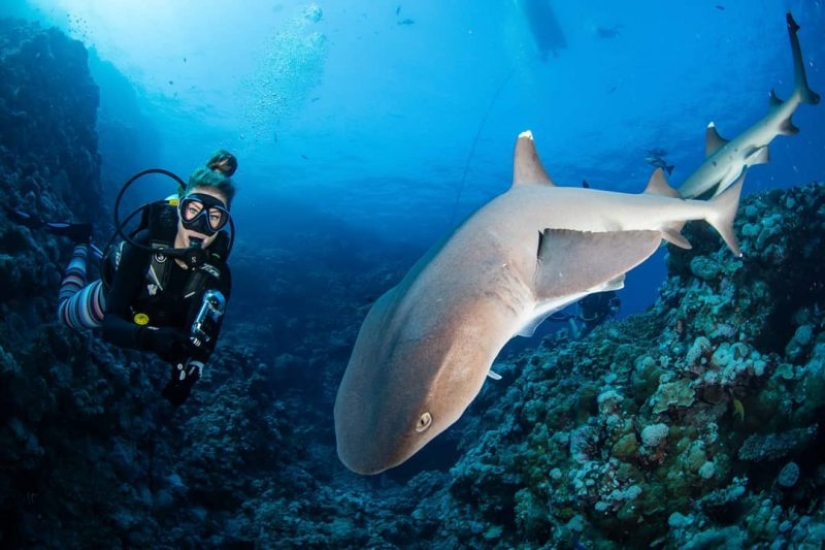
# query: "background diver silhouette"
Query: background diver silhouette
594,309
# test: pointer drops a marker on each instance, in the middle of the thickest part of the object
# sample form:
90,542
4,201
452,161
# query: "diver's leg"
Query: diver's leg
74,278
81,305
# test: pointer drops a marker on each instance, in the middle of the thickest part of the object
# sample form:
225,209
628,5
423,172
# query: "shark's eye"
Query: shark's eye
424,422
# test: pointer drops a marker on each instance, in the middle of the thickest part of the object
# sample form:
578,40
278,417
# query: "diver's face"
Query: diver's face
184,237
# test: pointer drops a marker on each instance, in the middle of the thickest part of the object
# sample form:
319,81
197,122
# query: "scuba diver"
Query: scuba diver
594,309
165,287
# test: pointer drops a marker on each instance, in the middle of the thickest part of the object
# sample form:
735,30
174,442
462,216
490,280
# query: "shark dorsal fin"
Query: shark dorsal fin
527,167
658,185
773,100
713,141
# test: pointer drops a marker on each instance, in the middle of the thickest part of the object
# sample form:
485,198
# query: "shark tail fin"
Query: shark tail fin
801,81
723,214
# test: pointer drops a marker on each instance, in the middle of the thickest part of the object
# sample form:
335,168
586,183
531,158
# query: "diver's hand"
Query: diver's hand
184,377
169,343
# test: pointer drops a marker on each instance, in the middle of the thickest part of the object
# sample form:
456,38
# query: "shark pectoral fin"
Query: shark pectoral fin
527,167
575,262
713,141
758,156
613,284
658,185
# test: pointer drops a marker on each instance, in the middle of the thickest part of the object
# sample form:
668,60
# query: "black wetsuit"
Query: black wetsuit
168,307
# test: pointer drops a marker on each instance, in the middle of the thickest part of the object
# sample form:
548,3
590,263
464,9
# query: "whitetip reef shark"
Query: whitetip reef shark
427,345
726,160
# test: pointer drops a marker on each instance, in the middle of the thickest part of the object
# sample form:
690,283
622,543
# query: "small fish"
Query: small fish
398,9
659,162
720,7
609,32
738,409
406,22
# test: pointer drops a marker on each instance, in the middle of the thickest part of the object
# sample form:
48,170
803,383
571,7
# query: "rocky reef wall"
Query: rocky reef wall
48,109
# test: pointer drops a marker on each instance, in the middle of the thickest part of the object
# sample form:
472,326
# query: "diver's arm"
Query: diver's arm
224,286
186,373
118,327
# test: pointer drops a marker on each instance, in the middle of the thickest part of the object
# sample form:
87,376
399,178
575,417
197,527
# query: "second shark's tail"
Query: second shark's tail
800,80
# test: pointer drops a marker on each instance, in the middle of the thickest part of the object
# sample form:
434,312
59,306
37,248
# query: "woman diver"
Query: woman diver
168,286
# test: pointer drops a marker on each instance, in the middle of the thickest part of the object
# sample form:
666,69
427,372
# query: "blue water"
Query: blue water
400,118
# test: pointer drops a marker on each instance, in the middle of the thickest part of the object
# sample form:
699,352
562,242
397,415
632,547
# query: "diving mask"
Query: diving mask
203,213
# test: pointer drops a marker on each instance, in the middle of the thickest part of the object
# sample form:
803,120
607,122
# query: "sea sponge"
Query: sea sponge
655,434
705,268
788,475
626,447
673,394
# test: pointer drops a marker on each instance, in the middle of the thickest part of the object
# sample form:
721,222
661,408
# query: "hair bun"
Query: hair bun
224,162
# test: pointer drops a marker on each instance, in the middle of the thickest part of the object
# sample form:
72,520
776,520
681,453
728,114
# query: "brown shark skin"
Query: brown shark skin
427,345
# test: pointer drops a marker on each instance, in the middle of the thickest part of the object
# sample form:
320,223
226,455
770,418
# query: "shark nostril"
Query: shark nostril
424,422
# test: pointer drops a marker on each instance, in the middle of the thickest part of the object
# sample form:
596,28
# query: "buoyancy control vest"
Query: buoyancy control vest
160,219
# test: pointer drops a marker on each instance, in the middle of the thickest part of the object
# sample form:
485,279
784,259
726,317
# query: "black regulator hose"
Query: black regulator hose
119,226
